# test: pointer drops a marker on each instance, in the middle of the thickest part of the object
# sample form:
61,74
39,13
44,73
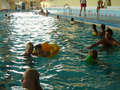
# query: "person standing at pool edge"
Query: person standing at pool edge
100,5
83,4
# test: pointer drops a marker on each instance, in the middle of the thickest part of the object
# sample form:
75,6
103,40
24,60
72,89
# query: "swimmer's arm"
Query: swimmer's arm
116,43
96,44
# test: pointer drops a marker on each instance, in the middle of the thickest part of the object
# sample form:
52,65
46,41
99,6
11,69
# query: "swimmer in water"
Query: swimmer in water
102,28
30,80
93,59
73,21
95,32
58,17
44,50
29,49
107,42
6,15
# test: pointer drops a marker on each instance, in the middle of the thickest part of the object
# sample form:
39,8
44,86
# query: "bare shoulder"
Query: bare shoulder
115,42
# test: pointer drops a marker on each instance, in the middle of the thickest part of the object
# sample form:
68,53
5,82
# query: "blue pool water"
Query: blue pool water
66,71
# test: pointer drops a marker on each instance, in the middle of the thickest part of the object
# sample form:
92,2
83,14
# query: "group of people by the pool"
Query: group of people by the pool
31,77
51,50
100,5
107,42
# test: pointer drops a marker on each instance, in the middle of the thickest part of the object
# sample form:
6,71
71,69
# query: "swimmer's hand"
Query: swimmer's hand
89,47
96,44
26,54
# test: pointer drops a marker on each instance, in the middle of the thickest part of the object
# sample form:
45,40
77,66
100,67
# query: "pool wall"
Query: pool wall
76,3
108,16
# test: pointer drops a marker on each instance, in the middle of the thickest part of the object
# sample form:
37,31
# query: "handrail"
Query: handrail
67,6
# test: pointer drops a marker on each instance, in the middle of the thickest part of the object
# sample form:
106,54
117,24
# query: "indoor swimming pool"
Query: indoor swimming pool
67,70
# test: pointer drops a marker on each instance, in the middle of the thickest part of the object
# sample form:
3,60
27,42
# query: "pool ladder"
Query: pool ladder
67,10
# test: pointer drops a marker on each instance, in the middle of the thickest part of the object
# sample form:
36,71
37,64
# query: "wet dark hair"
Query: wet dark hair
38,46
38,49
110,31
95,54
34,75
103,26
72,19
58,16
5,14
94,26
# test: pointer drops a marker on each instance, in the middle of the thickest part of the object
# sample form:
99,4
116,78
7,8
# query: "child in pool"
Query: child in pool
29,49
44,50
30,80
95,32
92,58
102,28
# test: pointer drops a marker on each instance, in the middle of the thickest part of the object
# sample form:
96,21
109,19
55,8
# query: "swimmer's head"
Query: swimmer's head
5,14
103,26
93,26
29,48
30,78
72,19
108,33
57,16
93,53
